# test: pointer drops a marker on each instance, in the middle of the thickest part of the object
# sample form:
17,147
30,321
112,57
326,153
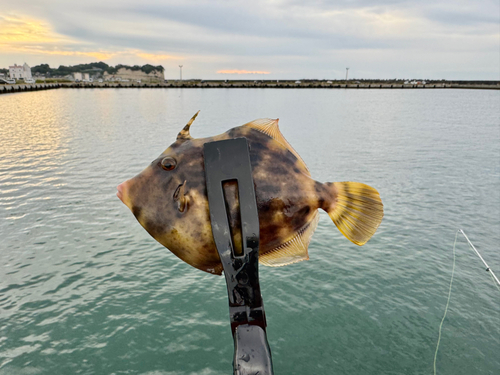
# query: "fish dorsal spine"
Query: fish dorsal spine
184,133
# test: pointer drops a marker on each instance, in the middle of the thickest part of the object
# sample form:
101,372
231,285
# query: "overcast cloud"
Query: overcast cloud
277,39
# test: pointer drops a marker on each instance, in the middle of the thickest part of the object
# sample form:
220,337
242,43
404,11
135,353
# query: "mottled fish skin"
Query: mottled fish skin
287,197
170,201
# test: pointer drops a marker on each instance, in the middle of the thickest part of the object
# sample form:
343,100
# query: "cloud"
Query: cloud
28,36
96,55
155,56
17,30
292,38
234,71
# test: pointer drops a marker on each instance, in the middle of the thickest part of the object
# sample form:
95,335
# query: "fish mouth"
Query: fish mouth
119,193
122,193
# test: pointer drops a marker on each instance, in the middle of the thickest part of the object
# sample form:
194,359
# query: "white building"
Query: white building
20,72
83,77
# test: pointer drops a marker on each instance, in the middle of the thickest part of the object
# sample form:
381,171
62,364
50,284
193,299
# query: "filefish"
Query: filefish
169,199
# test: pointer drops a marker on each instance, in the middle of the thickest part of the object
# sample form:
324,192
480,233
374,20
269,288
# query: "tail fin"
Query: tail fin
356,210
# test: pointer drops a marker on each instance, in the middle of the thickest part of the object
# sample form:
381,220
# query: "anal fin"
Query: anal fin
292,251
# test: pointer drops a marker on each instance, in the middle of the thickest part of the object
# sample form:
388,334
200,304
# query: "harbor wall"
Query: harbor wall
4,89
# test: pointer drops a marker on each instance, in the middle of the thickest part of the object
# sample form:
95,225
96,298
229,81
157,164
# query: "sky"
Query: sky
254,39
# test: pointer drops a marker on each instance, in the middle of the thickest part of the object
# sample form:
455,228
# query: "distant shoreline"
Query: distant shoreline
305,84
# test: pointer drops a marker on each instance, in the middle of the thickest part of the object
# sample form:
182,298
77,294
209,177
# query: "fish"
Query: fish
169,199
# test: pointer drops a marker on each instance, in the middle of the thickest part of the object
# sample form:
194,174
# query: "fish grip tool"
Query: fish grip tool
229,160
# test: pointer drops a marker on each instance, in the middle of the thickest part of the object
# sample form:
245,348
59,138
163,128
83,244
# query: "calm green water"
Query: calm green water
85,290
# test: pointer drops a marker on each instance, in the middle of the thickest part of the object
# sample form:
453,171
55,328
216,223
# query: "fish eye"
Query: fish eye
168,163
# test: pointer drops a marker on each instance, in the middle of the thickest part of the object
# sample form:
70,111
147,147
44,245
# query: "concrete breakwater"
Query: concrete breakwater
330,84
249,84
4,89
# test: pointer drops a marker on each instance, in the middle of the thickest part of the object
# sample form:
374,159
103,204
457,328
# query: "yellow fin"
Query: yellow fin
292,251
357,210
270,127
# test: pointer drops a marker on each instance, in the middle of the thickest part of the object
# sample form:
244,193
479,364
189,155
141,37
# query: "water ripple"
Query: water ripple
84,289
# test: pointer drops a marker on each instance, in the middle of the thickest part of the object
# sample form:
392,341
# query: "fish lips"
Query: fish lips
119,193
122,193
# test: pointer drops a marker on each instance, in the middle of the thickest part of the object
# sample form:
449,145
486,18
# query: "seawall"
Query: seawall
4,89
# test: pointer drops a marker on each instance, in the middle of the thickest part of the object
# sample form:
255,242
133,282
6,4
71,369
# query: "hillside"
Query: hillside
94,67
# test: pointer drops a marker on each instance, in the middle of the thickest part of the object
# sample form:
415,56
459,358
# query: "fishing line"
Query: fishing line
447,304
498,287
488,269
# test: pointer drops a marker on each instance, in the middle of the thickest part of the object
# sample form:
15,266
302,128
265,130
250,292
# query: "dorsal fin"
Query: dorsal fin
270,127
292,251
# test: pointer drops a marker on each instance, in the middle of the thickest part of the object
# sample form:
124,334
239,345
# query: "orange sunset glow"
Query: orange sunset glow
235,71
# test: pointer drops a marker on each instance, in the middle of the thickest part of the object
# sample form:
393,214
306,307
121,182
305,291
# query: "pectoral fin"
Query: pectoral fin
180,197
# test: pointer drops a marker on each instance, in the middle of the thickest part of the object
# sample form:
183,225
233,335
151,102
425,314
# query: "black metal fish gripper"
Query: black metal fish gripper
229,160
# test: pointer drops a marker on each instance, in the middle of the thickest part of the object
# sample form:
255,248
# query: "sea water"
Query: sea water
85,290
